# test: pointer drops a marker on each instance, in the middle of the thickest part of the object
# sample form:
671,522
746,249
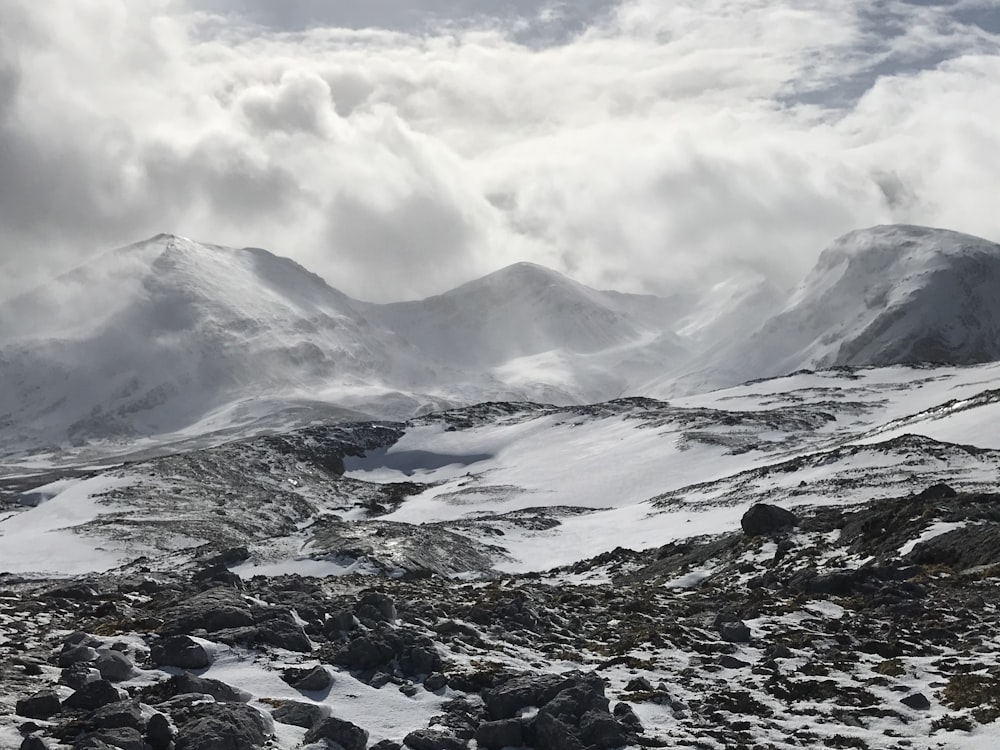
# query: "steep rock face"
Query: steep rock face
886,295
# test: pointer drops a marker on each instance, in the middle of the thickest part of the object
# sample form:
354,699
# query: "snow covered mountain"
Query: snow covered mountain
155,337
887,295
173,340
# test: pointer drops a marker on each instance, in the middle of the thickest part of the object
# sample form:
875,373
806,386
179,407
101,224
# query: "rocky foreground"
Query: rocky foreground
859,627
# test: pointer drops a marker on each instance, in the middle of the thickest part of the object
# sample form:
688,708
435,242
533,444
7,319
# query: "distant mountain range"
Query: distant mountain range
171,339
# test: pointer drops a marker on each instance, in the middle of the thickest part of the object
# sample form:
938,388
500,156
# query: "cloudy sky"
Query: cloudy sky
640,144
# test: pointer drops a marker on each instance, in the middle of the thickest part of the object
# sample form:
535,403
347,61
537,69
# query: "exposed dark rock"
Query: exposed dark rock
221,726
212,610
349,736
298,714
79,675
917,701
76,654
34,742
308,680
41,705
159,732
187,683
122,738
93,695
763,519
433,739
376,607
126,714
115,666
180,651
494,735
435,681
505,700
734,632
938,492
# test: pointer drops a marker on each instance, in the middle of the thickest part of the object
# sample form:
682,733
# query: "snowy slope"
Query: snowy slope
520,487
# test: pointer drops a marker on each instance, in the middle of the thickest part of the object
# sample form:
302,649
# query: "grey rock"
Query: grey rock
731,662
505,700
433,739
299,714
376,607
314,680
221,691
734,632
34,742
76,654
122,738
349,736
180,651
627,717
494,735
221,726
763,519
122,714
917,701
115,666
41,705
93,695
212,610
78,675
435,681
159,732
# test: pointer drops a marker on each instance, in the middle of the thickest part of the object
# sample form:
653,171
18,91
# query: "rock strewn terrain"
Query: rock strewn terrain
863,627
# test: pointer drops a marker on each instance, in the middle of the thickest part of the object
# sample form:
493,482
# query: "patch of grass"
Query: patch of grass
891,668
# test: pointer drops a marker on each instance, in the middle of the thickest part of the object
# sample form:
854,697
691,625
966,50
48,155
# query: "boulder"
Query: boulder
305,715
433,739
180,651
41,705
917,701
734,632
506,699
159,732
763,519
122,738
349,736
115,666
494,735
221,726
93,695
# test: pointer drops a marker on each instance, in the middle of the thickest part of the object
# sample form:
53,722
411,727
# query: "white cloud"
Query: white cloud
663,143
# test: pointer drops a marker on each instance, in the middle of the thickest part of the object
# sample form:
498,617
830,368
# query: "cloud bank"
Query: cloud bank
640,145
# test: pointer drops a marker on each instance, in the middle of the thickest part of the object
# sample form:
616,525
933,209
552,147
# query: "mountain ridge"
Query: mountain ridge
153,337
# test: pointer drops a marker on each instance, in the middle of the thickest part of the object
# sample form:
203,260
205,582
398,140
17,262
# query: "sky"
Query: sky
642,145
